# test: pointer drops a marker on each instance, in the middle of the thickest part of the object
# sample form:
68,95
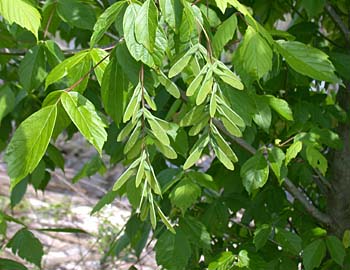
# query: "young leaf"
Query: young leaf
27,246
336,249
169,85
227,76
307,60
130,171
182,62
230,114
196,152
158,131
255,172
205,88
146,24
134,104
164,219
84,116
314,254
28,144
140,170
134,137
106,19
221,155
22,13
221,142
108,198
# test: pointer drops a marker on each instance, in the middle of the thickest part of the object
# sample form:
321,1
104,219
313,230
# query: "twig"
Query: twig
288,184
338,21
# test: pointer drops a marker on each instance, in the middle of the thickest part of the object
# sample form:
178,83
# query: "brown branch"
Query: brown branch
338,21
288,184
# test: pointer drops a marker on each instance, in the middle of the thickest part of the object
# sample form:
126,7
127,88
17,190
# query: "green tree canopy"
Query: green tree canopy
231,118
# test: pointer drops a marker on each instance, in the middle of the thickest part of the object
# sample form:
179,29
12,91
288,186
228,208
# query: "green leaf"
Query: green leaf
223,144
196,152
280,106
226,75
108,198
32,70
22,13
93,166
221,4
316,159
221,155
205,88
97,55
254,54
172,12
158,131
336,249
137,50
134,104
276,158
173,251
56,156
64,68
229,113
77,13
182,62
243,259
106,19
185,194
53,53
196,82
113,89
7,264
346,239
196,231
289,241
85,118
223,262
224,34
169,85
261,235
18,192
255,172
293,151
27,246
314,254
130,171
78,72
28,144
146,24
307,60
7,101
262,115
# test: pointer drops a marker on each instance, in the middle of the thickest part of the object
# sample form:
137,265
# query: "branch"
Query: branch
288,184
338,21
19,52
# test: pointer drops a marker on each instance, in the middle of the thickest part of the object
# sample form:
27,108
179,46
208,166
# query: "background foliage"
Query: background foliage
231,118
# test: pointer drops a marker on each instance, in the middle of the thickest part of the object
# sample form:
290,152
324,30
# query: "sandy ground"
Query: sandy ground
68,205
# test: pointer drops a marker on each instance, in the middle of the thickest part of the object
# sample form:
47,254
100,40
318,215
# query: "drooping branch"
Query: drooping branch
338,21
288,184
